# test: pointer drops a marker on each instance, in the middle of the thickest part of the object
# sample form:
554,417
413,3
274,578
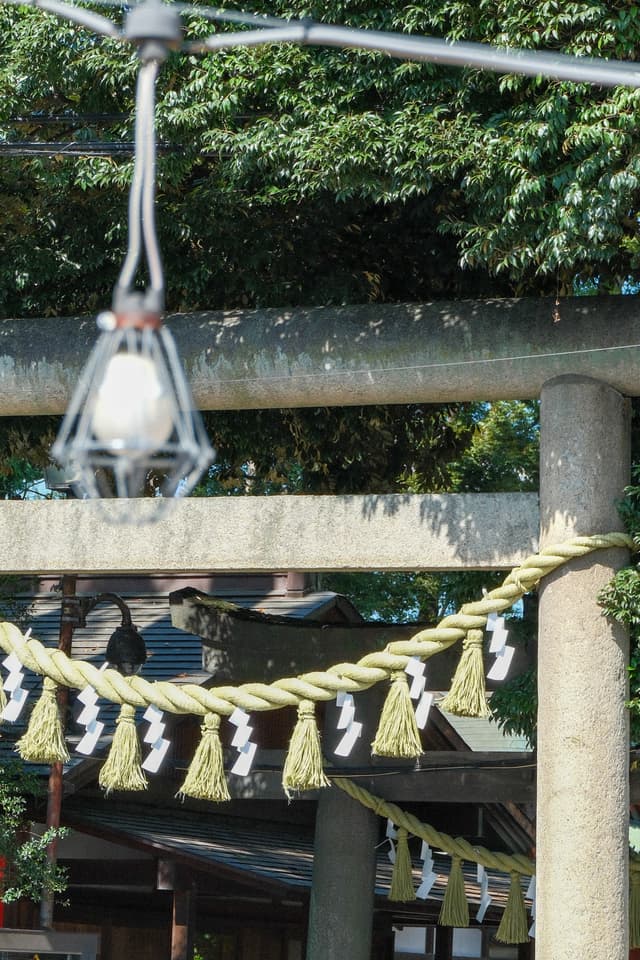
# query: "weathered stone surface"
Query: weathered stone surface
344,875
225,534
344,862
583,739
375,353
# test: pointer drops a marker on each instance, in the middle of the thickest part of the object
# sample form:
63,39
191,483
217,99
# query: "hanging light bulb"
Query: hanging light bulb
131,427
131,422
133,413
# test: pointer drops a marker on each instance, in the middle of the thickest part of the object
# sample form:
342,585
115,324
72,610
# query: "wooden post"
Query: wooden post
170,876
444,943
54,787
182,924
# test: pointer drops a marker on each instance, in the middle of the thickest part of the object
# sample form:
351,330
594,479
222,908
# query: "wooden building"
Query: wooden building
152,874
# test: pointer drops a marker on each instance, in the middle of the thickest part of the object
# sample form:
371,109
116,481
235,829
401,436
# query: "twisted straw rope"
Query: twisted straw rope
317,685
455,846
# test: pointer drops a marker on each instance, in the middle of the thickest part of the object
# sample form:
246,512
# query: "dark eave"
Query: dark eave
275,858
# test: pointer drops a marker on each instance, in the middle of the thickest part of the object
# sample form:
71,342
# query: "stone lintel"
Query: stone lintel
243,534
339,356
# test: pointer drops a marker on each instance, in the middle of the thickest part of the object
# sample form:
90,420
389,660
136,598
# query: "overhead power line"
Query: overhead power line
91,148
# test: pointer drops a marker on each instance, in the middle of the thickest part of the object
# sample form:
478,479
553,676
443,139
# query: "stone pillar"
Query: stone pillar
344,859
583,797
344,872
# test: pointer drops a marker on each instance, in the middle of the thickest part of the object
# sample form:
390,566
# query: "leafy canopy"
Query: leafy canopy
27,871
621,599
295,175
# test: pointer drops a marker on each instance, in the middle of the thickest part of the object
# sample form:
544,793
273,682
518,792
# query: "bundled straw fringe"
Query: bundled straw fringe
467,696
402,876
43,740
455,909
205,779
303,766
514,927
398,734
122,770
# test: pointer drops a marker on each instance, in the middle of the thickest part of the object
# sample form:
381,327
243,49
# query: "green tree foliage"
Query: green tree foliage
24,452
514,706
27,870
299,175
503,454
372,449
621,599
378,449
390,597
308,175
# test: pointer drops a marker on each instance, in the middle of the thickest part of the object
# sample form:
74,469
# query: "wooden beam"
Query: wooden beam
443,777
439,776
444,943
123,874
262,534
509,777
337,356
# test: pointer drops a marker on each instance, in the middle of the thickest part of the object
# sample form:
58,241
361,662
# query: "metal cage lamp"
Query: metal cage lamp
131,423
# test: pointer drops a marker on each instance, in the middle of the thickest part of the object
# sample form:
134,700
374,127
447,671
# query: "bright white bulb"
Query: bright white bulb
133,413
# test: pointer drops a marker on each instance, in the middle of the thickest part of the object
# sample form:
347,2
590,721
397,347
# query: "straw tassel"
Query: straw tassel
467,696
122,769
402,876
455,909
43,740
634,906
303,766
398,734
514,926
205,779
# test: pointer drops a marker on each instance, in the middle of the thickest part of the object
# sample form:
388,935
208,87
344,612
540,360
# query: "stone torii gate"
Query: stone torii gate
582,367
